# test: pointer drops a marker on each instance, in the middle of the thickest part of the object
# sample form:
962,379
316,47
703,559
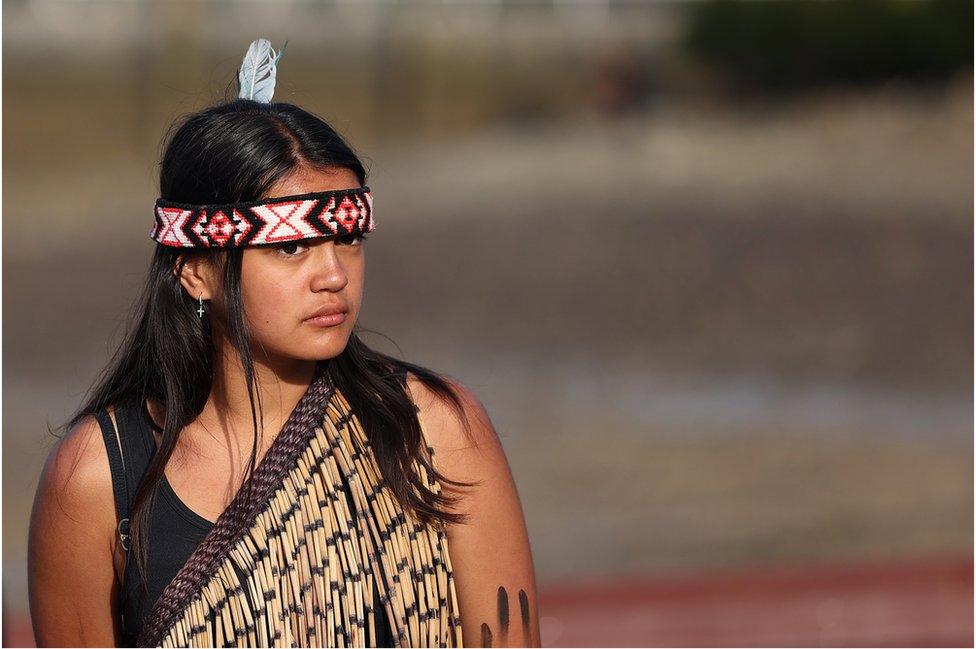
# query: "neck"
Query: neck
279,384
226,415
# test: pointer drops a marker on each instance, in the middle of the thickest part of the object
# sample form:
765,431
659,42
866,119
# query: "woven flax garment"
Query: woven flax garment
302,574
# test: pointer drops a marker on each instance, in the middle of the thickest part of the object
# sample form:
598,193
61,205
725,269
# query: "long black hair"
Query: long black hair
236,151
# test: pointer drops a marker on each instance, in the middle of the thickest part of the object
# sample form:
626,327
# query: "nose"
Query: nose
328,273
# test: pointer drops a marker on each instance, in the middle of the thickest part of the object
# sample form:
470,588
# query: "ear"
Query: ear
197,277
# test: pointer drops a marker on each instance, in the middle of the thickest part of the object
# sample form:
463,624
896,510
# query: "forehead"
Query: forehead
314,180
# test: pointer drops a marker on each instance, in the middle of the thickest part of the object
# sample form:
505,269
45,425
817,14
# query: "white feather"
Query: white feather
256,78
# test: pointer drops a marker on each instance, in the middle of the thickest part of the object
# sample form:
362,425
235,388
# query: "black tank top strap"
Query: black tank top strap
129,464
136,444
117,467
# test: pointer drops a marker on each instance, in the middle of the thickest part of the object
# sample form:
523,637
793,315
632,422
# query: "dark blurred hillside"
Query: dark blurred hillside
789,45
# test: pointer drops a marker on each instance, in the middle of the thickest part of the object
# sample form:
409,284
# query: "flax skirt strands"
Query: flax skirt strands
303,574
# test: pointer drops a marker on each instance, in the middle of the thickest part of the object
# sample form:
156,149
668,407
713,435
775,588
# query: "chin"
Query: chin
309,346
322,350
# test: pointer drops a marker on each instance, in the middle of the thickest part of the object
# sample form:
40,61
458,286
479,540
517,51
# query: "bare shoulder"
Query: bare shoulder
71,554
76,475
471,453
444,426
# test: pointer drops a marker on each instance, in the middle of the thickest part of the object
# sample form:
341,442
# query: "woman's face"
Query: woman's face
283,285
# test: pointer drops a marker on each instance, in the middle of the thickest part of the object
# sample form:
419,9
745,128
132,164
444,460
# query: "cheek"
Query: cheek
265,307
273,297
267,298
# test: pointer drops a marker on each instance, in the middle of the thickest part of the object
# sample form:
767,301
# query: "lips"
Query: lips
328,310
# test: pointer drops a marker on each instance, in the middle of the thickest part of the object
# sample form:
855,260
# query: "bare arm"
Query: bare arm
490,554
72,557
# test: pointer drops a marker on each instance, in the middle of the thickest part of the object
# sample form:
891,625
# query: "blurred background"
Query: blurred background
707,264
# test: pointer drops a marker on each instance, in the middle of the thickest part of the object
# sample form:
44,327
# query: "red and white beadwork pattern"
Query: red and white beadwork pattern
275,220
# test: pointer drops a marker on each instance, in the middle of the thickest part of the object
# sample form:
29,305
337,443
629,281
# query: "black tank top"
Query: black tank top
175,529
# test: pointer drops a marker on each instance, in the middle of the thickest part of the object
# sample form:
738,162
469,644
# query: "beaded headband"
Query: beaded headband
336,212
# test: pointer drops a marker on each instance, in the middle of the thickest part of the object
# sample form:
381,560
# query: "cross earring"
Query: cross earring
200,310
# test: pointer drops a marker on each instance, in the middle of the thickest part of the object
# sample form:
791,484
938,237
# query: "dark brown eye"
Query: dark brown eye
290,248
350,239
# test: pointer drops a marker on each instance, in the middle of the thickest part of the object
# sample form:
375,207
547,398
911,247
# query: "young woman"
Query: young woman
247,472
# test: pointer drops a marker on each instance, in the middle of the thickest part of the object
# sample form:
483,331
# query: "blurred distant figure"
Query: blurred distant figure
620,86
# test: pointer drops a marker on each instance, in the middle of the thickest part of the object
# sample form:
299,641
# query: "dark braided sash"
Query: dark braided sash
301,570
